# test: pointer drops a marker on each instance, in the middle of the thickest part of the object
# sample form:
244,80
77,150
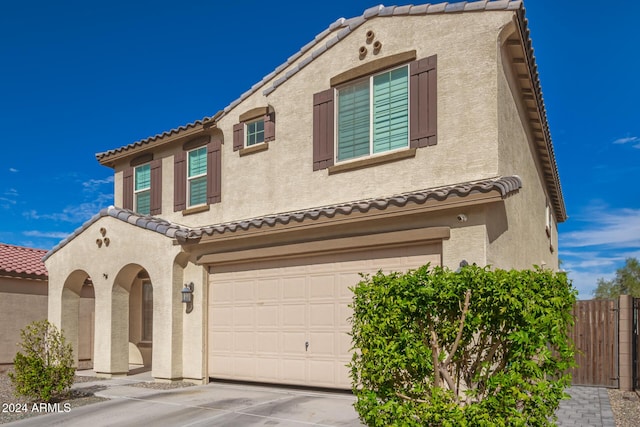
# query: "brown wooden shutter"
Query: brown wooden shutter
269,127
323,118
127,188
156,187
423,107
214,172
180,181
238,136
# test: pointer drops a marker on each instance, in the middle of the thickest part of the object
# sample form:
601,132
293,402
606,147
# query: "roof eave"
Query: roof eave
544,143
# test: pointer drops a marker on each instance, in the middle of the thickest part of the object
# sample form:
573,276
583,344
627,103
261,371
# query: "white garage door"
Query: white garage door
286,321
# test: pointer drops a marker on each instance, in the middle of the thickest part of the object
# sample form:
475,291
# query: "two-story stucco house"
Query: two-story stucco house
405,136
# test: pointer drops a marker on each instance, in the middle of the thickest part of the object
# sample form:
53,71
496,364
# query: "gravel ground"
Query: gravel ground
14,408
626,407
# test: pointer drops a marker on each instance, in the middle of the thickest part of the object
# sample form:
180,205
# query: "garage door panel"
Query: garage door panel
267,369
262,313
221,316
223,341
267,316
294,288
220,366
345,314
244,367
322,315
322,286
243,291
348,280
293,370
293,343
294,315
269,290
344,343
222,292
268,342
244,341
243,316
322,372
322,343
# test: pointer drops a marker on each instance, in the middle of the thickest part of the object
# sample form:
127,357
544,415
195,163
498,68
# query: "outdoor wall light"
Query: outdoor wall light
187,296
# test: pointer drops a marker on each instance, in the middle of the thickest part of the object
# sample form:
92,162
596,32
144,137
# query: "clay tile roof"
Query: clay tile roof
151,223
18,261
505,186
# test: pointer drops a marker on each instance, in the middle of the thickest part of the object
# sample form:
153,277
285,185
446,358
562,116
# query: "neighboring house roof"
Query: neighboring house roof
18,261
342,28
505,186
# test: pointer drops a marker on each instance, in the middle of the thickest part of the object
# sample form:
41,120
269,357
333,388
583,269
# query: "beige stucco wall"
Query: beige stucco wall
526,242
22,301
277,180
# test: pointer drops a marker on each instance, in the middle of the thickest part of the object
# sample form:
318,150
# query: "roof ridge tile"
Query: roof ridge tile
437,8
372,11
455,7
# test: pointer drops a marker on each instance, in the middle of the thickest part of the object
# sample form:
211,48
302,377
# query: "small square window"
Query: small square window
255,132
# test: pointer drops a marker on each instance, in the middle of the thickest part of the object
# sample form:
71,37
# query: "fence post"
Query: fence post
625,341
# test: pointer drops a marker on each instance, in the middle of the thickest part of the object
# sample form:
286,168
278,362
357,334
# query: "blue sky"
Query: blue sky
78,77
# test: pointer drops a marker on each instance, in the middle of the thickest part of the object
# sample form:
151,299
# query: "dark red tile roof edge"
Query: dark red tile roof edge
20,261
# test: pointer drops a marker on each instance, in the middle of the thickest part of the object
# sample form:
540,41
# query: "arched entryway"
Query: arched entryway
141,322
131,320
78,319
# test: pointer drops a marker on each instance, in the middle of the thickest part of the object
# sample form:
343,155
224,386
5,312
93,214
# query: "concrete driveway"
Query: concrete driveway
215,404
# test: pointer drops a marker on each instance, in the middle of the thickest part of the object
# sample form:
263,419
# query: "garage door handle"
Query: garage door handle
306,346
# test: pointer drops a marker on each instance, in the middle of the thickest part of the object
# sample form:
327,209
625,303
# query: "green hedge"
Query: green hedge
43,369
477,347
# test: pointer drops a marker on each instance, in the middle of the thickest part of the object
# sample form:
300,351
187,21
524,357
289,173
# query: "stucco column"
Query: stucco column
166,362
194,327
625,342
63,306
111,351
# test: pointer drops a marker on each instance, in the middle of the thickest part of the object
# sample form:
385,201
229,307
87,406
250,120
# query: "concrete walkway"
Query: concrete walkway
588,407
225,404
215,404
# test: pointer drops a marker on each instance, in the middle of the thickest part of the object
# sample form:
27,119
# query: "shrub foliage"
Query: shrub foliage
477,347
43,369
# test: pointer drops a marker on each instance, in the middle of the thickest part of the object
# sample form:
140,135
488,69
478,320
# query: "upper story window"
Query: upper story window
197,174
385,105
373,115
255,132
142,189
142,185
197,177
255,129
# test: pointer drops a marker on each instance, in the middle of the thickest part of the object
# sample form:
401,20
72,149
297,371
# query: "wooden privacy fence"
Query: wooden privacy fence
595,335
605,334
